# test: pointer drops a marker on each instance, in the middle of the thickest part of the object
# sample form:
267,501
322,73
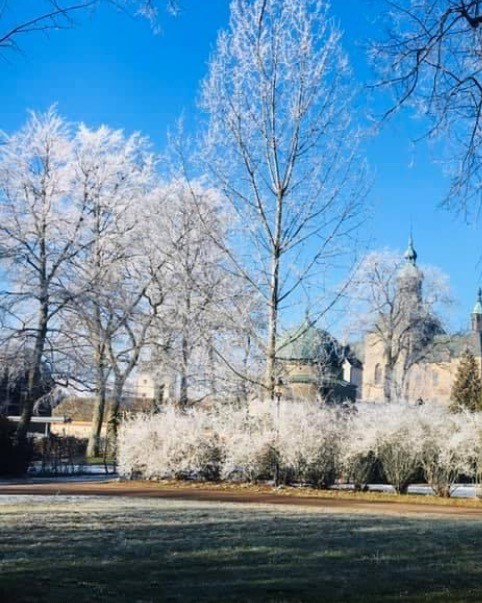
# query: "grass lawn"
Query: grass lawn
82,550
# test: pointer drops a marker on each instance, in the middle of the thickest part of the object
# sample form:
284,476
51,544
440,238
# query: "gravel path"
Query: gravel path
150,490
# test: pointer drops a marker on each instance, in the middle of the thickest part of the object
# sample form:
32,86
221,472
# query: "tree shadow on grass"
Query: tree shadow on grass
150,552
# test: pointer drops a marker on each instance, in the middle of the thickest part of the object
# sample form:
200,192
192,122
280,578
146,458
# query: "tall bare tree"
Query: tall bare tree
281,146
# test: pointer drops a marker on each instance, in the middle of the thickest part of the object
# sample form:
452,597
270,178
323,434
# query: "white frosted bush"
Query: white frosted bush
248,435
448,447
310,439
305,442
248,457
136,445
169,444
399,435
359,446
299,440
385,433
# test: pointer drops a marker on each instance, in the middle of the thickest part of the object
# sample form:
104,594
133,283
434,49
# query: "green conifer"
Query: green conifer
467,386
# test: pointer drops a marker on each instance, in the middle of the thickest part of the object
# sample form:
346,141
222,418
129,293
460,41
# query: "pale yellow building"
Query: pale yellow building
427,358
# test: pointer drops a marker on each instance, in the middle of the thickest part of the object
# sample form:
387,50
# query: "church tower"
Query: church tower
410,280
477,314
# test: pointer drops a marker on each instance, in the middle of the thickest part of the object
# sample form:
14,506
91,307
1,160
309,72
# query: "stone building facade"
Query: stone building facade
313,365
427,358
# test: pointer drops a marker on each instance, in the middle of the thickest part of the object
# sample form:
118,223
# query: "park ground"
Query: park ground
145,543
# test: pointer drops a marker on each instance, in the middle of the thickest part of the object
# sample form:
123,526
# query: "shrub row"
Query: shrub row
301,442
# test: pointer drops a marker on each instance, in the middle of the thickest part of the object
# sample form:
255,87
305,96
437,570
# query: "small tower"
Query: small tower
410,280
477,314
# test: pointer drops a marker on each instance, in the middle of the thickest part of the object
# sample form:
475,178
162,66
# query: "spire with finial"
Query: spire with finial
410,254
410,279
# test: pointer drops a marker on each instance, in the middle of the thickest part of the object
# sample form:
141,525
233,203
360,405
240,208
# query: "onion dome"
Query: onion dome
410,254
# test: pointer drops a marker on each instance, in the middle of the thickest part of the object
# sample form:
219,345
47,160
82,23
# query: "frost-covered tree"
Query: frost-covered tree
282,148
111,277
198,284
41,221
467,385
186,228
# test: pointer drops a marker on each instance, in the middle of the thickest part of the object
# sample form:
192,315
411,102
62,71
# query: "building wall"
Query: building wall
354,375
150,387
78,429
432,382
145,386
428,381
300,381
373,370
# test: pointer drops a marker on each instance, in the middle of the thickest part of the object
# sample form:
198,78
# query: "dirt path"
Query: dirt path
150,490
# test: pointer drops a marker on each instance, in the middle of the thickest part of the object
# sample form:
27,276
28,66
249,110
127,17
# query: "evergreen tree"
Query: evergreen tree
467,386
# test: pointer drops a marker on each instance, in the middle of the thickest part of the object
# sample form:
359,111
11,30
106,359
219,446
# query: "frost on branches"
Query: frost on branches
306,443
282,148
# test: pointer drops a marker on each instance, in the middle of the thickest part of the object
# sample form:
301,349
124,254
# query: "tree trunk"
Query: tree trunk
93,446
388,382
243,390
114,416
212,369
273,304
34,373
183,386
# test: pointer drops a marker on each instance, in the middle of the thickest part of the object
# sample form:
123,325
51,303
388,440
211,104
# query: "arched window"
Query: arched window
378,374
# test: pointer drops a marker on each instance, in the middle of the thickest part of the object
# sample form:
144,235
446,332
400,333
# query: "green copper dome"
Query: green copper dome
306,343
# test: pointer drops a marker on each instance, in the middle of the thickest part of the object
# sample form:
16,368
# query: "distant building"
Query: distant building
76,414
314,365
429,373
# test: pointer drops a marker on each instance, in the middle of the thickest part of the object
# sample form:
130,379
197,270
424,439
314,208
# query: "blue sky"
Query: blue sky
111,69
